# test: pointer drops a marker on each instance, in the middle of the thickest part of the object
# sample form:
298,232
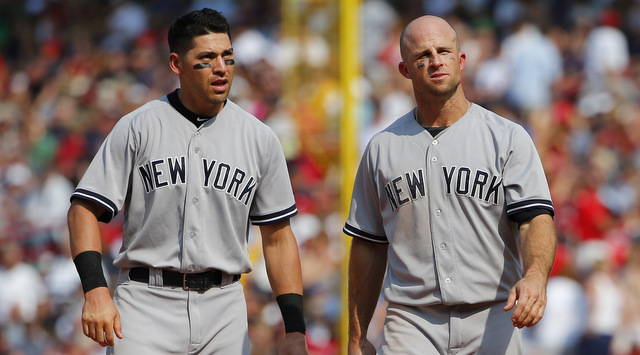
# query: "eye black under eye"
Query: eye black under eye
202,66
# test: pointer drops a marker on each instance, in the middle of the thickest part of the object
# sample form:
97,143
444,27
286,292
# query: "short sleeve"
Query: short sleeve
106,180
364,220
274,199
525,182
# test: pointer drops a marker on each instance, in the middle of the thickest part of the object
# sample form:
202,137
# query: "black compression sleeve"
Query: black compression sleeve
89,266
292,313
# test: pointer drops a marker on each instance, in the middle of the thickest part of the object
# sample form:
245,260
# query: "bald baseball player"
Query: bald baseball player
191,171
442,200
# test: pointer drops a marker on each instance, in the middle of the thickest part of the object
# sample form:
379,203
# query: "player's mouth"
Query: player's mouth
438,76
220,85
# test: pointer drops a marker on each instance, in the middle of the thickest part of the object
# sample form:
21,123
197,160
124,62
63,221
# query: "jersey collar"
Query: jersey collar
194,118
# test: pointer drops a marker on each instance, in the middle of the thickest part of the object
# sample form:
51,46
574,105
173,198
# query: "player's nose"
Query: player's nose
435,60
219,65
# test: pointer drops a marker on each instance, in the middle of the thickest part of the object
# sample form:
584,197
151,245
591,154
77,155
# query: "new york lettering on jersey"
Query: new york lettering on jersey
462,181
218,175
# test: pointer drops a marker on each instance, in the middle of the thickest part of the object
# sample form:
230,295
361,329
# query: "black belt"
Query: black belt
200,281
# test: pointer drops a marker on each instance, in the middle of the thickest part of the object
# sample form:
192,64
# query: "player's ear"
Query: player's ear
463,60
175,63
402,68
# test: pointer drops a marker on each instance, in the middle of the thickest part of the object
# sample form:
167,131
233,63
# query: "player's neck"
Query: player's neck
199,107
430,113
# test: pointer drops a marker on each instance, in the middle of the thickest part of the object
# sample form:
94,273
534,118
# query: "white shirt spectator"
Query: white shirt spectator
22,290
606,51
534,64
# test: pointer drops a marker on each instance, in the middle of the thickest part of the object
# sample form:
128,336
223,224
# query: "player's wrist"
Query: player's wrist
89,266
534,273
292,312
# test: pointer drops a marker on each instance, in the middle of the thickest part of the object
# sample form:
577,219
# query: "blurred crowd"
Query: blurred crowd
567,70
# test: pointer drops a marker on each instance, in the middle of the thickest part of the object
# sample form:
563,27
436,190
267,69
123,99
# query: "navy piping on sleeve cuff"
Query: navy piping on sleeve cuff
274,217
525,210
527,215
357,233
111,208
517,207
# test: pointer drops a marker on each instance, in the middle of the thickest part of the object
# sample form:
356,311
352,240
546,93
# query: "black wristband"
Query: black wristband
291,308
89,266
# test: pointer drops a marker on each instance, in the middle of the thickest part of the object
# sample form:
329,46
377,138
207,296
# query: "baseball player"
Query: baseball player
442,200
191,171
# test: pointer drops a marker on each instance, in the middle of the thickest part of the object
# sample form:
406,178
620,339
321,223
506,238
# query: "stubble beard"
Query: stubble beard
444,90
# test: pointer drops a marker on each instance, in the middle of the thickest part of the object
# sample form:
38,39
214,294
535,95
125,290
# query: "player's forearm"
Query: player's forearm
84,232
538,241
285,274
86,245
367,264
282,259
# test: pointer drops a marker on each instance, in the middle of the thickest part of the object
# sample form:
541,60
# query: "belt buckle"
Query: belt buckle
188,288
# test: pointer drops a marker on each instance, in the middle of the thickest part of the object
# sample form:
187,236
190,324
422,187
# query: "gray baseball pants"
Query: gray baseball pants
159,319
484,329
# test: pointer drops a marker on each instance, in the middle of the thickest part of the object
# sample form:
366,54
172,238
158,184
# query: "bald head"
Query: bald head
432,60
426,27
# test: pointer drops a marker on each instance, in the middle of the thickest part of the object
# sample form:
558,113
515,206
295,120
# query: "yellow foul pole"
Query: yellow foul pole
349,156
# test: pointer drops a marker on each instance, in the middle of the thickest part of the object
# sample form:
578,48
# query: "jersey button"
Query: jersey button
447,280
434,159
438,212
435,142
195,201
196,149
192,235
443,246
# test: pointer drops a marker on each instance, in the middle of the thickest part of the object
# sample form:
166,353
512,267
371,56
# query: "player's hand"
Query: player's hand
100,318
294,343
362,348
531,296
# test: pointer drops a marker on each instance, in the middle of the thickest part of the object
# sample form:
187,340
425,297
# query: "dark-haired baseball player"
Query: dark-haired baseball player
191,172
445,200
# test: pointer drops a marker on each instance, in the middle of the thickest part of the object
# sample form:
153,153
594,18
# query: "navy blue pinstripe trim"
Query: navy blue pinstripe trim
355,232
524,205
274,217
111,208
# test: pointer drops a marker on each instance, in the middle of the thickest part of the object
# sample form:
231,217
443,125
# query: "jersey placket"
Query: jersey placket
193,216
441,238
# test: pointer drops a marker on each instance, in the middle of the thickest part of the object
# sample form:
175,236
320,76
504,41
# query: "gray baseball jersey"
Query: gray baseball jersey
189,193
448,206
